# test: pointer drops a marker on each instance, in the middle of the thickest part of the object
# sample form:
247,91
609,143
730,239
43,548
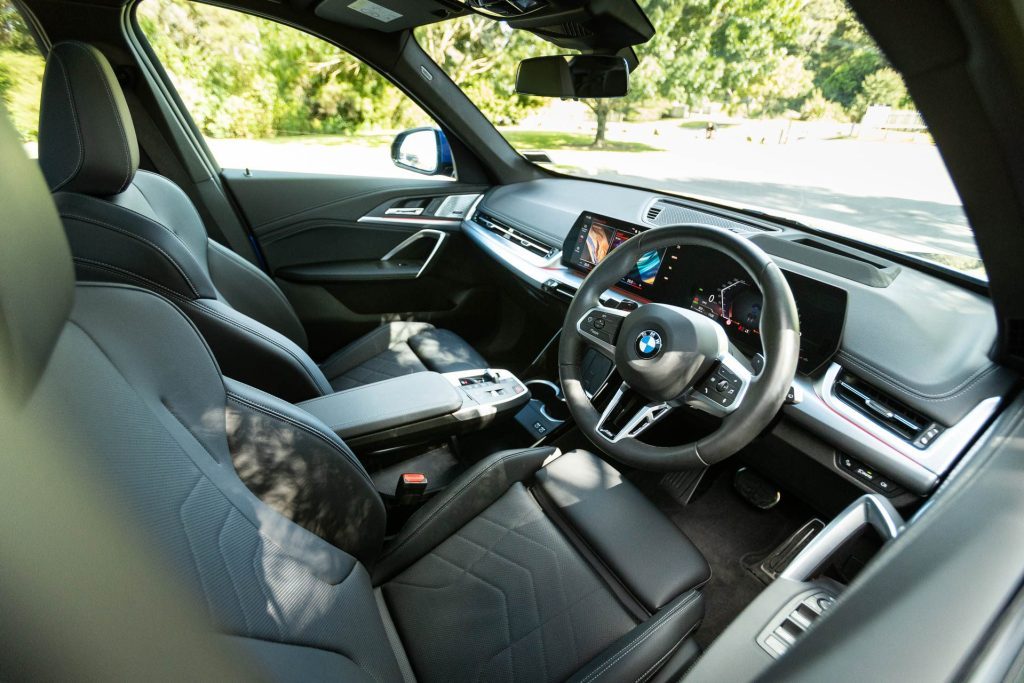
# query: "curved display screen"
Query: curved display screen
593,237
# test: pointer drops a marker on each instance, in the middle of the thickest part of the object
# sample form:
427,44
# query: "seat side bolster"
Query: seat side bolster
115,243
251,291
638,655
620,524
298,466
469,495
251,352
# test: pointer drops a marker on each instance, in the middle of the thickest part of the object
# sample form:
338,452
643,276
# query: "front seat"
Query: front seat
533,566
126,225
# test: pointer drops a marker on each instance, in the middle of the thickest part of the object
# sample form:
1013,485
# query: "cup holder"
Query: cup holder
549,396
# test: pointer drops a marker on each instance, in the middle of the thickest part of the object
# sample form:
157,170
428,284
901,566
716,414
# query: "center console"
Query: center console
420,405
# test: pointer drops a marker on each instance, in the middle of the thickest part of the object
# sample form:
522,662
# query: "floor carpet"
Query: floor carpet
733,534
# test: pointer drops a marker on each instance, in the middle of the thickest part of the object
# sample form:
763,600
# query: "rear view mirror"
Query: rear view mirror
573,76
423,150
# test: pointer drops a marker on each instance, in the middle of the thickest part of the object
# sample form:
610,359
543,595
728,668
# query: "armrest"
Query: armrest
386,405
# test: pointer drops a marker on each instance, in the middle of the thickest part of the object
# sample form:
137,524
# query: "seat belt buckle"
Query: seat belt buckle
411,485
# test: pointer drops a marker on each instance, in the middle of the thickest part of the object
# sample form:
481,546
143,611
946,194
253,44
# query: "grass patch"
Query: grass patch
556,140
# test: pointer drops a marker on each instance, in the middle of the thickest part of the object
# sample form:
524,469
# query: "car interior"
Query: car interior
484,420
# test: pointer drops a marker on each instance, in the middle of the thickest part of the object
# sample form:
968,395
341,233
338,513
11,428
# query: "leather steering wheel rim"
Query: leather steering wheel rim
765,393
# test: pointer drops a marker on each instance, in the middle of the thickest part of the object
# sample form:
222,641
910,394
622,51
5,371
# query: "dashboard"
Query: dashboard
713,284
895,375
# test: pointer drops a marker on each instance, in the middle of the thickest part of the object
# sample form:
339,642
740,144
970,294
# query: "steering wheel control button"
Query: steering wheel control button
602,326
757,363
648,344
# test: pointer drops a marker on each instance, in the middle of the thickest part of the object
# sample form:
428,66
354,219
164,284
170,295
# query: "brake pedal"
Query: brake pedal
755,489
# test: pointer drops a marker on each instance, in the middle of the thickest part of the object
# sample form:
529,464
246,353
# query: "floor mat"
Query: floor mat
732,534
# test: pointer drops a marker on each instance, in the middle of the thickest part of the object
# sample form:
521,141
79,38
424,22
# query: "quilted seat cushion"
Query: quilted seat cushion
504,598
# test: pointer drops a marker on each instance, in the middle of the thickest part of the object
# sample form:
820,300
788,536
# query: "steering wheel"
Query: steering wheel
668,356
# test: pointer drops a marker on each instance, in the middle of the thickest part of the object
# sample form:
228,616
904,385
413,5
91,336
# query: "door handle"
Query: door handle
439,236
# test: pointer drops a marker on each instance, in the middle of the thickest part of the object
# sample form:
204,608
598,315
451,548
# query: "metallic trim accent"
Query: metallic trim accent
445,210
869,510
645,417
438,235
450,222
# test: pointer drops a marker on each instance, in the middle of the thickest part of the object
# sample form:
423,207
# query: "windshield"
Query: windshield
784,107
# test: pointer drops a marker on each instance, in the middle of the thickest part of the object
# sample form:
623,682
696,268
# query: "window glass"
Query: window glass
21,74
268,96
782,106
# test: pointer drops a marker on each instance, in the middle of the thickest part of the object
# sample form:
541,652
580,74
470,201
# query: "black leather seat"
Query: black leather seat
532,566
131,226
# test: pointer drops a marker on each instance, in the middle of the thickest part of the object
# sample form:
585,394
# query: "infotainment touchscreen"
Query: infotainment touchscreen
593,237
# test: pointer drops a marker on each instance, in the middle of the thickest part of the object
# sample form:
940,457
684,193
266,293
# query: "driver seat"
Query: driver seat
534,565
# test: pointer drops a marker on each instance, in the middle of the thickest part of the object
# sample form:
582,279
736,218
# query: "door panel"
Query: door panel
325,239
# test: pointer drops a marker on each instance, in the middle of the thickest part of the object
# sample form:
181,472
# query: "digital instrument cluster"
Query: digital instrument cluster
734,303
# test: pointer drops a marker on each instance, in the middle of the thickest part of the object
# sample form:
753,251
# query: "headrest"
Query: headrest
36,276
87,142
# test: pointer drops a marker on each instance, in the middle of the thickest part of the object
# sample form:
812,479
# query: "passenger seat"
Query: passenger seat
131,226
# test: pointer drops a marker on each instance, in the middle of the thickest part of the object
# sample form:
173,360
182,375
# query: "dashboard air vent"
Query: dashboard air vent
886,411
517,237
653,213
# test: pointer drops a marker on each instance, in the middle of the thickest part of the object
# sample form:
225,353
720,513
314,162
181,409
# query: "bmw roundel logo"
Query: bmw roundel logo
648,344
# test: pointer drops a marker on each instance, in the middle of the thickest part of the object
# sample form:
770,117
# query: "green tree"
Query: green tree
884,87
844,59
723,51
14,35
482,56
244,76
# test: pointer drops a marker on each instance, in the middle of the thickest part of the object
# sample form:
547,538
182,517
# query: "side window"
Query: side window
21,74
270,97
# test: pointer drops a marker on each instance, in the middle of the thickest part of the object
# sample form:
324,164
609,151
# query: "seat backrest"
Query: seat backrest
128,386
126,225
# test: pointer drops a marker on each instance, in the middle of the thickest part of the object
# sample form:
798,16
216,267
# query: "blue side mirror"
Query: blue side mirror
423,150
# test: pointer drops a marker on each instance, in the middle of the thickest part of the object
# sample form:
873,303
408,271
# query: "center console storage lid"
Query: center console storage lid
385,405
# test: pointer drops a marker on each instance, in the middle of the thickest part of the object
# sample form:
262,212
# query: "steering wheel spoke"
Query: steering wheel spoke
723,389
600,326
629,414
